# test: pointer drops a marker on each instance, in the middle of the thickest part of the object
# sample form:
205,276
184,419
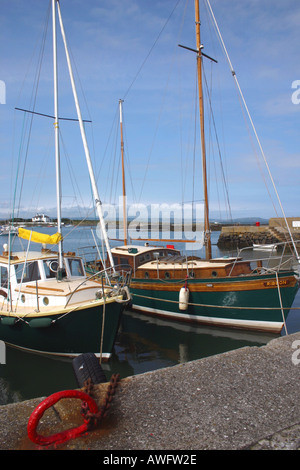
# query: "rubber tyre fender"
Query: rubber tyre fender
86,366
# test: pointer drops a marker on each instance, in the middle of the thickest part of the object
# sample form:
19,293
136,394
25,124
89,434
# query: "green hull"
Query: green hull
254,305
75,333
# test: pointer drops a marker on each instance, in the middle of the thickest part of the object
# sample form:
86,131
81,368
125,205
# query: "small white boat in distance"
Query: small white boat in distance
266,247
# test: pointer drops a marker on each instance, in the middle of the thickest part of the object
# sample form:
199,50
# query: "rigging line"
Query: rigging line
150,51
38,73
85,101
108,141
17,172
195,142
118,173
181,118
254,151
127,159
80,222
40,179
115,167
211,148
49,115
159,117
74,183
254,129
218,144
191,143
128,164
211,30
14,196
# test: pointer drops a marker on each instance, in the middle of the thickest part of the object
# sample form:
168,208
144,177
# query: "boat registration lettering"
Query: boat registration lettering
282,282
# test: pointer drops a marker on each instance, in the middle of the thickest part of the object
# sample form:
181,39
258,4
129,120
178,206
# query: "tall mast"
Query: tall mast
123,174
201,110
97,200
56,133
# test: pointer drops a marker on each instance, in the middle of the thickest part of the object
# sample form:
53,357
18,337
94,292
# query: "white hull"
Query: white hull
267,326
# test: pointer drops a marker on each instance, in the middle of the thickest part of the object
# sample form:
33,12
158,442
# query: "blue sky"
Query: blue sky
127,49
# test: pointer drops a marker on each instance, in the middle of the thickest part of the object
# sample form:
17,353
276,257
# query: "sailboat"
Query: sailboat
49,305
226,292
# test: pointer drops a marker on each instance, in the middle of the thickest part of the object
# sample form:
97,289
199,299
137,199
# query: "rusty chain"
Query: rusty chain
93,419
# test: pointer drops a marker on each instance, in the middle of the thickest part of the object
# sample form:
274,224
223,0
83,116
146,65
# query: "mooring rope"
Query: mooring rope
216,306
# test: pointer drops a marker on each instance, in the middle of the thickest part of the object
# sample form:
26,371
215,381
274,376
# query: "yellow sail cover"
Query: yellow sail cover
39,237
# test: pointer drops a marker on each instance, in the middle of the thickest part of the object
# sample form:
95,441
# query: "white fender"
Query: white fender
184,294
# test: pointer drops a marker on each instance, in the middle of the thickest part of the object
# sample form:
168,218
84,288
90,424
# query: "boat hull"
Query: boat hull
251,303
66,333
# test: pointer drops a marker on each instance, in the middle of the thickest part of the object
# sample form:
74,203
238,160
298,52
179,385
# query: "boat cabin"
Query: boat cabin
35,270
135,256
153,262
167,263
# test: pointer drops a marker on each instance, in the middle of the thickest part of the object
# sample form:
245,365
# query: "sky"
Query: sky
129,50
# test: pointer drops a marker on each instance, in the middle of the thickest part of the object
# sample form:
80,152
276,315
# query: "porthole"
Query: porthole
146,275
214,273
23,298
167,275
45,301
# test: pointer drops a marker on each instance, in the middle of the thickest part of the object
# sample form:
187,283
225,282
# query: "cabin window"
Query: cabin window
146,275
167,275
192,274
214,273
27,272
76,268
172,253
144,258
124,261
50,267
3,276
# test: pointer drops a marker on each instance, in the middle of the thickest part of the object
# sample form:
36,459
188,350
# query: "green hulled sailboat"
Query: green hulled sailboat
227,292
48,304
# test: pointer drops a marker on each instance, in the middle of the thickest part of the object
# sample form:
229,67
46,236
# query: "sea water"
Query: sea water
143,343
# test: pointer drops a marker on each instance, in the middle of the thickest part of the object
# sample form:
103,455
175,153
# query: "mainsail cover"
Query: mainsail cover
39,237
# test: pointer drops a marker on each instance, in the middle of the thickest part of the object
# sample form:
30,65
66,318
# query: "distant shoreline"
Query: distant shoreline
143,226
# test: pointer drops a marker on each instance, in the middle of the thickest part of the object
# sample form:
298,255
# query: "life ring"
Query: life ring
60,437
53,265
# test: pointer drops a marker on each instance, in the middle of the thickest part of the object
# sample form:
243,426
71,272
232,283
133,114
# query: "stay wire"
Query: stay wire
151,49
253,128
33,99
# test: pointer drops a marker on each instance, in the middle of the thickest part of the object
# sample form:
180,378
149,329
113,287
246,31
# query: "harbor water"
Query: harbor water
143,344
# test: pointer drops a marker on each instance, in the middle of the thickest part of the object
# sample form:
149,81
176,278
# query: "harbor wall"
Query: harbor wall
243,236
247,398
240,236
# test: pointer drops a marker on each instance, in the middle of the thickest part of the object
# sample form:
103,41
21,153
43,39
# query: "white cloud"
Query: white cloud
111,39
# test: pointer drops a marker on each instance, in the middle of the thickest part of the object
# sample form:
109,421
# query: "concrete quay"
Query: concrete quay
246,399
